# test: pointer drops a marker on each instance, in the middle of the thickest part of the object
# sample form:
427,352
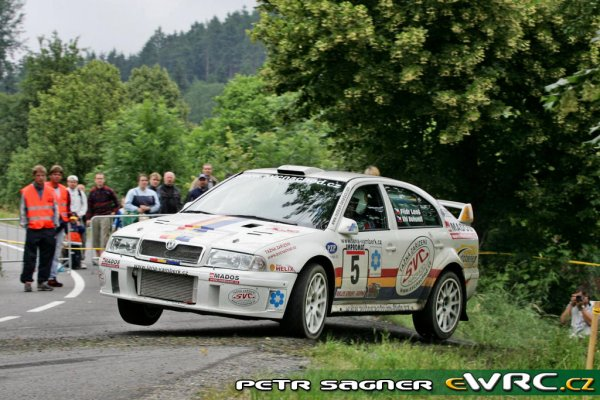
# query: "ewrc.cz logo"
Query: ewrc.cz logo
518,381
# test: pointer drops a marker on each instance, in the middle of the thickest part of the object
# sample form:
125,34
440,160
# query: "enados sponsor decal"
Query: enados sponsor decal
243,297
110,263
415,265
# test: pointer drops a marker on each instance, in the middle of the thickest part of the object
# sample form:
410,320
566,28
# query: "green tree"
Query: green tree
144,137
11,19
444,94
201,99
152,83
67,127
250,128
54,59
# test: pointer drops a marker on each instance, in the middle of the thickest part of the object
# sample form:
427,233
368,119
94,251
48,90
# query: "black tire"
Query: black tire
137,313
307,309
439,318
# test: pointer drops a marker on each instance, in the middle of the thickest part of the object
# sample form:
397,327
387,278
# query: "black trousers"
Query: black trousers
44,241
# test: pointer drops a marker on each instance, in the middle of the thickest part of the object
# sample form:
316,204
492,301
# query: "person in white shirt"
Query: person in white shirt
79,204
579,312
78,198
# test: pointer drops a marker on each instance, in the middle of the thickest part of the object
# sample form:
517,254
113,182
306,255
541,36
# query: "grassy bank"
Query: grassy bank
502,333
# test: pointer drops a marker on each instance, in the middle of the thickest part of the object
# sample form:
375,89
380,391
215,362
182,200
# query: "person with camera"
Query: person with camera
579,310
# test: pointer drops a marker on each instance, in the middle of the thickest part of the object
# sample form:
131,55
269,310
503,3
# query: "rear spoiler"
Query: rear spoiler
466,210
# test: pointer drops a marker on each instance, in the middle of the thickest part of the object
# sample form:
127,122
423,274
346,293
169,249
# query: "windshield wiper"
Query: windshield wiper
196,212
263,219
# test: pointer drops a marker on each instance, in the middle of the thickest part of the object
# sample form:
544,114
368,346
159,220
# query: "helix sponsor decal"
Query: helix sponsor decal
415,265
243,297
281,268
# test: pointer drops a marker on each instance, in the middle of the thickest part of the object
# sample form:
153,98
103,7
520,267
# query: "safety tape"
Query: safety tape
496,253
65,248
482,253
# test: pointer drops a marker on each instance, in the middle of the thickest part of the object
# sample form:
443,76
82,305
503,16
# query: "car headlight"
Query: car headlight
122,245
234,260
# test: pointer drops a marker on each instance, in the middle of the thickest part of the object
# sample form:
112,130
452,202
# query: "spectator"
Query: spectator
207,170
39,215
142,199
198,190
372,170
79,204
75,242
102,200
169,195
579,312
64,210
154,181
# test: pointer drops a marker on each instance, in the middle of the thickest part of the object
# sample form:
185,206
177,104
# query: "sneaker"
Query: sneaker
44,287
54,283
28,287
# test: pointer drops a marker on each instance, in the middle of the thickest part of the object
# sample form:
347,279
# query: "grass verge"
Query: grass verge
503,333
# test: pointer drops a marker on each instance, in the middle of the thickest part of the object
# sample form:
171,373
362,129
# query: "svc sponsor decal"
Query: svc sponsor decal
110,263
415,265
243,297
224,278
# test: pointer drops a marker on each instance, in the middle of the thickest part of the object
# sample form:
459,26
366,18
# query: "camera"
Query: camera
578,299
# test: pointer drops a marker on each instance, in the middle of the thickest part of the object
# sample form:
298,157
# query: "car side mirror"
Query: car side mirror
186,205
347,226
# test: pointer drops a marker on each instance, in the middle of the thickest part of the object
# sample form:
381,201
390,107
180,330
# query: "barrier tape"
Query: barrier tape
496,253
65,248
482,253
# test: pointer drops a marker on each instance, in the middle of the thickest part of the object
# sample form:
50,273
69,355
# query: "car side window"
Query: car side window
366,207
410,209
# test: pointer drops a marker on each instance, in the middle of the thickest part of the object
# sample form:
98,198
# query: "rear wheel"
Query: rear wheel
137,313
439,318
307,309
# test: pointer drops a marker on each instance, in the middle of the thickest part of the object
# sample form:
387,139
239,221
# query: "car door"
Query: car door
419,236
369,255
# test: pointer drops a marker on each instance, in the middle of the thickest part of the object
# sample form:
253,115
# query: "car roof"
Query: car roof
300,170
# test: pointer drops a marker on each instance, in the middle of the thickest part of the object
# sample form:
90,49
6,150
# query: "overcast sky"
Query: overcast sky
125,25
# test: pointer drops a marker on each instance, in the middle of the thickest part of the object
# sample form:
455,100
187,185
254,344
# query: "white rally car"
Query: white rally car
296,244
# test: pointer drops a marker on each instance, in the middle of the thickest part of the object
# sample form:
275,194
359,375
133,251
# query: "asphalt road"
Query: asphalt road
72,343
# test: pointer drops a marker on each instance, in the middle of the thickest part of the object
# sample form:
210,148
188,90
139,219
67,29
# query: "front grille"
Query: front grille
183,252
165,286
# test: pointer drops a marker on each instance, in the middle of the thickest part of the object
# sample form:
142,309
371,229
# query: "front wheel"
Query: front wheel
138,313
307,309
439,318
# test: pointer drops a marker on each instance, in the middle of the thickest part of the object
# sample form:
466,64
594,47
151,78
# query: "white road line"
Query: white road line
47,306
9,318
79,285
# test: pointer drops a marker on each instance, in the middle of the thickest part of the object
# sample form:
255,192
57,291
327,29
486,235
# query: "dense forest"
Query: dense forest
212,52
495,103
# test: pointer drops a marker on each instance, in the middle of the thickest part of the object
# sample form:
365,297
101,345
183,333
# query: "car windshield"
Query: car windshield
295,200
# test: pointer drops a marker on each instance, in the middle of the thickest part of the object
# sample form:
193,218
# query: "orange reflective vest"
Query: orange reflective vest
62,199
40,211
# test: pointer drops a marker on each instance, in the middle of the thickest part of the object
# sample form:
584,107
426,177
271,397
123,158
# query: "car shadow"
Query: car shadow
352,329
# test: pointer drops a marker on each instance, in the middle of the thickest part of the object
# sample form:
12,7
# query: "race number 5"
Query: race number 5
355,269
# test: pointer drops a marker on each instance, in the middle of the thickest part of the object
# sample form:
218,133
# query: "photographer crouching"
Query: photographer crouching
579,310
